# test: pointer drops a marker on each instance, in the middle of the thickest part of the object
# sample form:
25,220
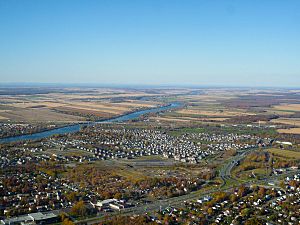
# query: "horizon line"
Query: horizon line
135,85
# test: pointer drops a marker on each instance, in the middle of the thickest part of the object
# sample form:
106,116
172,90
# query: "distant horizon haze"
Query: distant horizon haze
155,43
134,86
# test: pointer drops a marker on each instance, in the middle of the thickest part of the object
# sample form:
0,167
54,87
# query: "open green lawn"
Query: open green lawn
246,175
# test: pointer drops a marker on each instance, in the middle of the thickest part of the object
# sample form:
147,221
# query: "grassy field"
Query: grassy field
248,175
132,175
285,153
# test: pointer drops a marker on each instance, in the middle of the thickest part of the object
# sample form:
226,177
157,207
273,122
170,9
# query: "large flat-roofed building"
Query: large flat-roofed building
33,218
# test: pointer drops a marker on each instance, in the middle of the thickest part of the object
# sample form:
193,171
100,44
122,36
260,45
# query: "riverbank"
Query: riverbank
76,127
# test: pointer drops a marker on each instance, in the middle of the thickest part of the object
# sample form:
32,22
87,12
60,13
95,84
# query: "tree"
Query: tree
246,212
72,196
67,222
220,196
233,198
210,211
168,220
242,191
118,195
79,209
293,183
261,192
282,184
253,221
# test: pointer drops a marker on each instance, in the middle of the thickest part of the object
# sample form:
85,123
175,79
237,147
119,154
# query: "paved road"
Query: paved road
225,174
155,206
225,171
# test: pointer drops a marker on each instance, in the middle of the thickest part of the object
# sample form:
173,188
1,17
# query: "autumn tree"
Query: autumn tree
79,209
67,222
118,195
261,192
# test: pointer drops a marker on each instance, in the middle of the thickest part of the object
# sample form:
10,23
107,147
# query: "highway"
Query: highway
154,206
225,174
225,171
228,183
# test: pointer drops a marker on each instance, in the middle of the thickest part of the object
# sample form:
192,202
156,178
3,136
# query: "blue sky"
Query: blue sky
228,43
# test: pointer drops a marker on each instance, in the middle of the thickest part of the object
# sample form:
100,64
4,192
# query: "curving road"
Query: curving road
225,174
225,171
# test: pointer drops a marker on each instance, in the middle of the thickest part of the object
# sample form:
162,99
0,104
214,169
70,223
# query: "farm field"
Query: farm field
187,119
288,121
72,104
199,106
288,107
289,131
212,112
37,115
207,142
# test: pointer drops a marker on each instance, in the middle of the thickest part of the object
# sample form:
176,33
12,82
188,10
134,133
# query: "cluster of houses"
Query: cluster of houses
221,138
13,157
270,204
40,192
33,192
37,191
272,207
13,129
21,156
132,143
291,196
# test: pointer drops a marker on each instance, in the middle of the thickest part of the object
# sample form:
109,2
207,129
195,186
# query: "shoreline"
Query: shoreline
76,127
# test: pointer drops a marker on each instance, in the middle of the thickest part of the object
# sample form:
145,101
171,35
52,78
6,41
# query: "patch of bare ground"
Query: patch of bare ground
288,107
289,131
287,121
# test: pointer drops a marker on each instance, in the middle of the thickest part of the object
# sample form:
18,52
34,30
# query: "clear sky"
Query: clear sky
212,42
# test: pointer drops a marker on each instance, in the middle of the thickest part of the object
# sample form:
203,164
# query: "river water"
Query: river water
76,127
